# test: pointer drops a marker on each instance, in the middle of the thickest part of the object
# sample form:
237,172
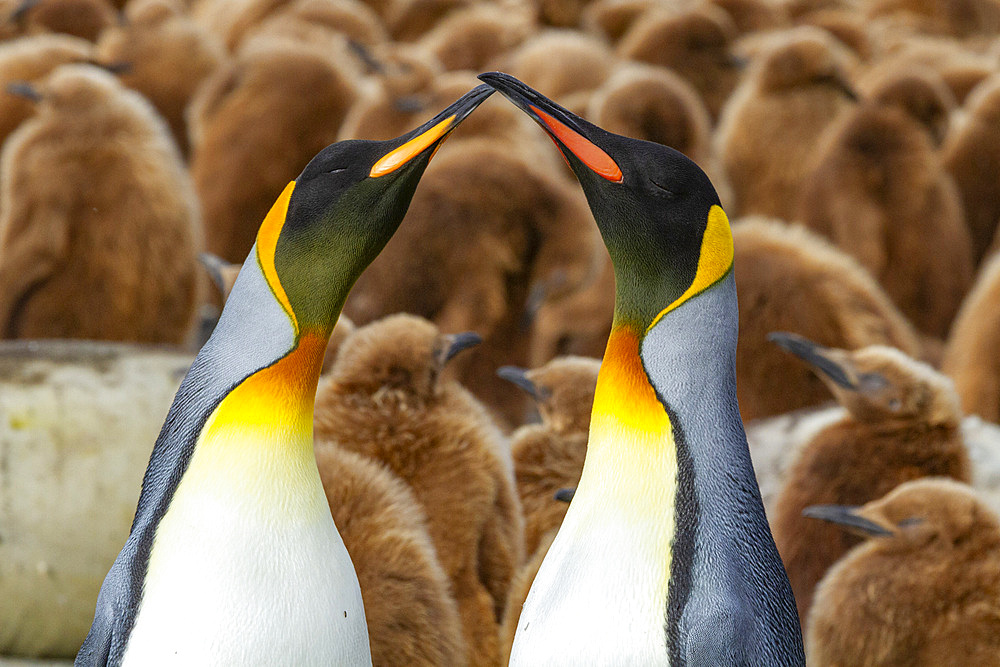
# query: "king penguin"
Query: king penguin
665,556
233,557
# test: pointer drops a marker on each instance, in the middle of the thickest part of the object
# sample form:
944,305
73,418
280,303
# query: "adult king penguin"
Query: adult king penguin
665,556
234,558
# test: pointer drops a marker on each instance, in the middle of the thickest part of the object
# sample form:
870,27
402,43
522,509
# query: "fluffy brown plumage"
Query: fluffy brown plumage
549,456
79,18
902,422
954,18
408,20
972,157
520,224
696,44
611,19
473,38
99,227
411,615
768,131
385,398
880,194
926,594
789,279
970,356
961,68
750,16
919,93
165,56
254,124
29,59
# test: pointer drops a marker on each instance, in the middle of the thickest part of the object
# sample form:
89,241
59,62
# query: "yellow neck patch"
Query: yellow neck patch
623,389
267,243
714,262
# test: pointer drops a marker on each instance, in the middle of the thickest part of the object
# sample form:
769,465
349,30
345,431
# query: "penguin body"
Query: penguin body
233,556
664,556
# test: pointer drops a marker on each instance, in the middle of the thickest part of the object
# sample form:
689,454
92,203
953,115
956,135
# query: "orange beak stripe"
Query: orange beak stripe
412,148
592,156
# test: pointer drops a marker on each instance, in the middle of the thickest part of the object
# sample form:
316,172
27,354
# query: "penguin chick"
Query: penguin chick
408,20
224,274
961,68
531,227
27,60
549,456
99,228
922,589
79,18
411,615
696,45
878,191
752,16
919,93
902,423
970,354
769,129
611,19
330,25
385,398
473,37
562,63
167,56
254,122
789,279
972,156
952,18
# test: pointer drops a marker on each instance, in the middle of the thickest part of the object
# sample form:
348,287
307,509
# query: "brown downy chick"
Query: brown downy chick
79,18
563,64
879,192
972,157
223,275
902,422
409,20
970,355
922,589
848,27
961,68
549,456
789,279
768,132
611,19
919,93
254,123
696,44
560,13
28,60
951,18
532,227
474,37
330,25
411,615
752,16
165,56
99,226
385,398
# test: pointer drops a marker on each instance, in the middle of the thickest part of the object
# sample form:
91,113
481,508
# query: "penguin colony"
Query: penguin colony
863,131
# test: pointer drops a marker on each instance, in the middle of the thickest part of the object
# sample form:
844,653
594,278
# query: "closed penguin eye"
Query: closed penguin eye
665,190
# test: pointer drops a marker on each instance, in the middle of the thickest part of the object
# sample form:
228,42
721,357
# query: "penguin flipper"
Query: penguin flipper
104,645
714,640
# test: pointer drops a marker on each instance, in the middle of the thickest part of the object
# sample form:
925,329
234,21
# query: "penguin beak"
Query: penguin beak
222,273
572,134
825,360
458,343
428,137
848,517
519,377
565,495
25,90
20,13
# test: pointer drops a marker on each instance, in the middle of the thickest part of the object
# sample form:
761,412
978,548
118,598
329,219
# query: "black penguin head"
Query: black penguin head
336,217
652,204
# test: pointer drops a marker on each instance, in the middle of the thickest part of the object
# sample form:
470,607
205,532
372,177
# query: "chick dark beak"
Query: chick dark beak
565,495
460,342
222,273
572,134
518,376
846,516
816,355
25,90
429,136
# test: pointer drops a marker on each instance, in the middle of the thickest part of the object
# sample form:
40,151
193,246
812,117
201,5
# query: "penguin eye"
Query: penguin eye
335,171
666,191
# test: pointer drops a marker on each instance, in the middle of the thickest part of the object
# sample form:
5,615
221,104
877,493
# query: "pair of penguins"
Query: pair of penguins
665,556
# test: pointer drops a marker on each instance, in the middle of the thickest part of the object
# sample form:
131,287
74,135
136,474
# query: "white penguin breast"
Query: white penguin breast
247,568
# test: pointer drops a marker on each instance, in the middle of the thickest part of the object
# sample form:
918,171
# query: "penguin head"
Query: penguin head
563,389
336,217
657,211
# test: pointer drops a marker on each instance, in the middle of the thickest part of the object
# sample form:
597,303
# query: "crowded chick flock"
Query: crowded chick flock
413,346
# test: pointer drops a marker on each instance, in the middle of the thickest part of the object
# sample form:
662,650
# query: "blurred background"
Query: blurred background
855,145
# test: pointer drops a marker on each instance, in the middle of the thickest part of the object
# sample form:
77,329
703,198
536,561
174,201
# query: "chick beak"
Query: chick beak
820,357
222,273
25,90
572,135
846,516
460,342
428,137
565,495
519,377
